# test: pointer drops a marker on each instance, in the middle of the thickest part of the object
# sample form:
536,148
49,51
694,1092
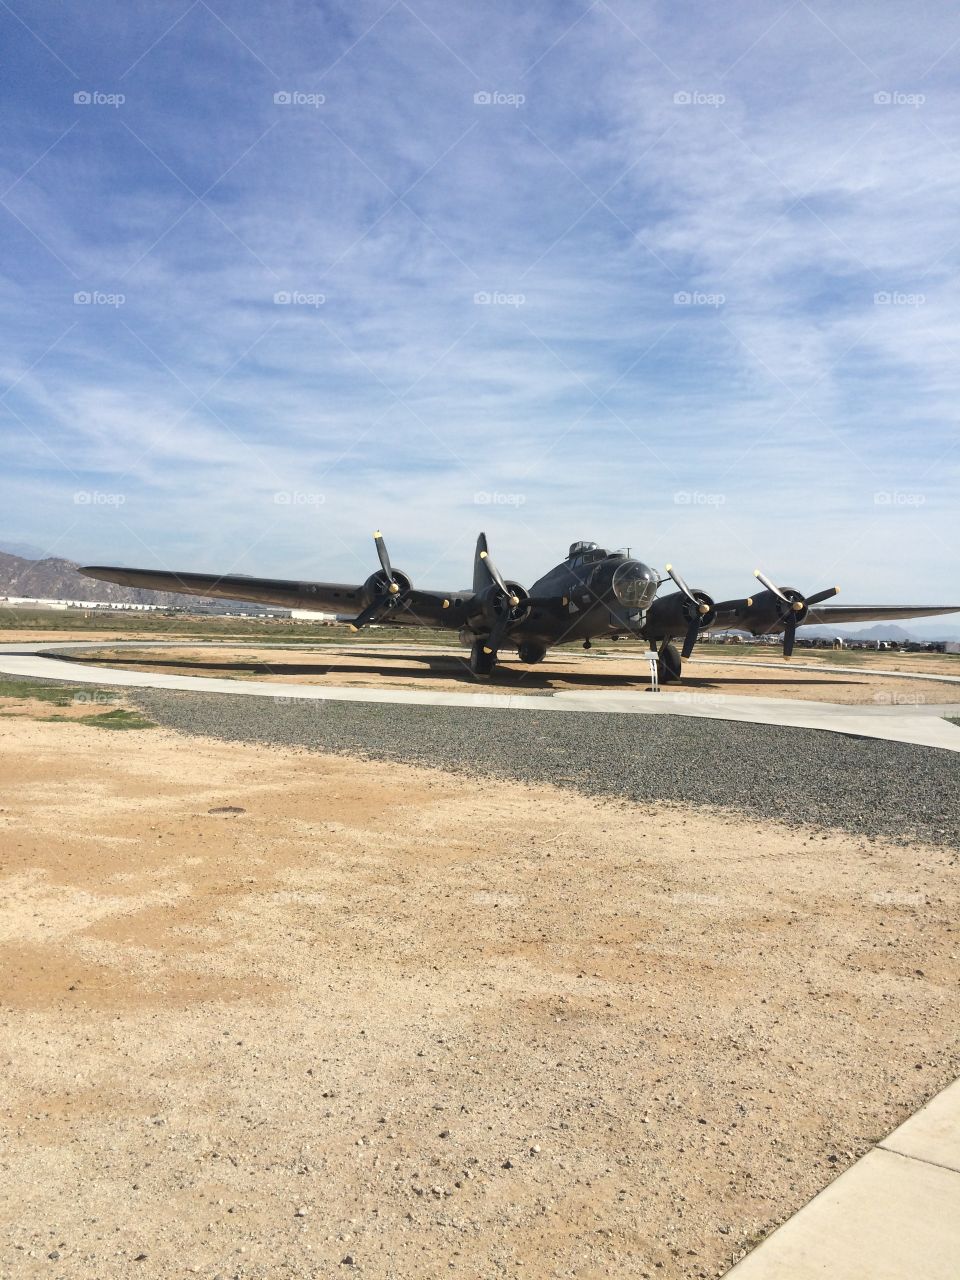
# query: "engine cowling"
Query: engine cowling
671,615
378,584
489,605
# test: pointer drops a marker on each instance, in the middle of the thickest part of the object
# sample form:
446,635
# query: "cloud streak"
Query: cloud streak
487,297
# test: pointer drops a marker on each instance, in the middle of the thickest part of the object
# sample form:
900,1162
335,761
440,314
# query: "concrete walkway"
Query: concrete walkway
895,1215
921,724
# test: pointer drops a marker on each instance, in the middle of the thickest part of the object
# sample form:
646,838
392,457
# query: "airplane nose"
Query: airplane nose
634,584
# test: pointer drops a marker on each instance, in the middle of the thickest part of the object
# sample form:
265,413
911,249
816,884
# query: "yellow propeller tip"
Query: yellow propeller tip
377,533
668,567
483,555
446,604
486,650
353,628
749,601
756,573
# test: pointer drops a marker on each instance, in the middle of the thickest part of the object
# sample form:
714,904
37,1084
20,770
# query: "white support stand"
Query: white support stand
654,671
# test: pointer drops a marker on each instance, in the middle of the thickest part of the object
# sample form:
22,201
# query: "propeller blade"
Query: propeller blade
497,632
385,561
702,608
495,575
823,595
771,586
680,583
369,613
789,634
690,639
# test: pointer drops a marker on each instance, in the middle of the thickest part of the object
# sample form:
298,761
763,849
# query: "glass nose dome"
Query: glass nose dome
635,585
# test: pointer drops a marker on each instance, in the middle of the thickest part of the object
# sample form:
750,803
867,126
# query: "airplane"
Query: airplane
592,594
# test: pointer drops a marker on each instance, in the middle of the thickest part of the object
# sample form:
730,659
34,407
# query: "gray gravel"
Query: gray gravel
870,787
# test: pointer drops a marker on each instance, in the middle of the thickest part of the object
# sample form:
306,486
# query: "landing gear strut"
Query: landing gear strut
481,663
669,663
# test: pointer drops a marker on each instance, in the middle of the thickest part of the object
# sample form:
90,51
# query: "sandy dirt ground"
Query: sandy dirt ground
448,670
271,1014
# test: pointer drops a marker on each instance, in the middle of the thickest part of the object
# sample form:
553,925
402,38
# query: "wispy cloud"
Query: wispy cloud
684,286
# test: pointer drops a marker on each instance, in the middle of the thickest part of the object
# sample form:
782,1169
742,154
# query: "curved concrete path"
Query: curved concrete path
922,725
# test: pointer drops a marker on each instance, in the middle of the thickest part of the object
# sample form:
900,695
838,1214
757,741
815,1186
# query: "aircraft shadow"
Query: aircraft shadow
445,667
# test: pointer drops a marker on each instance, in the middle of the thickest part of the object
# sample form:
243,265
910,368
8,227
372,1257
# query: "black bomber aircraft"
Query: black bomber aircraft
593,594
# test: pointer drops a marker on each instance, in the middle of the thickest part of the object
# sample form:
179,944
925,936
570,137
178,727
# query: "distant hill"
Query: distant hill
934,630
25,549
55,579
882,631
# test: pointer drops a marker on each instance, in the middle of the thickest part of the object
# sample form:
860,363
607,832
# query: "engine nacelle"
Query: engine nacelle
489,604
671,615
767,614
378,583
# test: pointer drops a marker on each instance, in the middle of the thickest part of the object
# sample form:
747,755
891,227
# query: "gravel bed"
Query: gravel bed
892,790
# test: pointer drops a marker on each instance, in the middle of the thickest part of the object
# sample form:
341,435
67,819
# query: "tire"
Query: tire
481,664
669,664
531,653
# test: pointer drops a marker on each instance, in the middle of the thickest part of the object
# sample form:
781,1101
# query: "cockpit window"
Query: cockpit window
582,548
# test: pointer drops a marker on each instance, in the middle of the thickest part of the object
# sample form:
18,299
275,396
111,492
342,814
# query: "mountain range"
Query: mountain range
56,579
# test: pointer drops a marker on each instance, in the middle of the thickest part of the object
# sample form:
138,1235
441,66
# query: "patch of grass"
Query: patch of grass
62,695
118,719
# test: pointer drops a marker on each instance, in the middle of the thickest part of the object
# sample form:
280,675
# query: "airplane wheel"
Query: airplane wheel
669,664
531,653
481,664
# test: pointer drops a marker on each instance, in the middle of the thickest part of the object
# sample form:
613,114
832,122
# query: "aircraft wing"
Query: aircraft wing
829,615
424,608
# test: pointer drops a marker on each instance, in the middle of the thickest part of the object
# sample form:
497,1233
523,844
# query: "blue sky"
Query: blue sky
678,277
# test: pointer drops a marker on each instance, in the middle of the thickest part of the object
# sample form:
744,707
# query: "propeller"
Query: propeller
695,618
499,605
387,587
497,577
796,609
